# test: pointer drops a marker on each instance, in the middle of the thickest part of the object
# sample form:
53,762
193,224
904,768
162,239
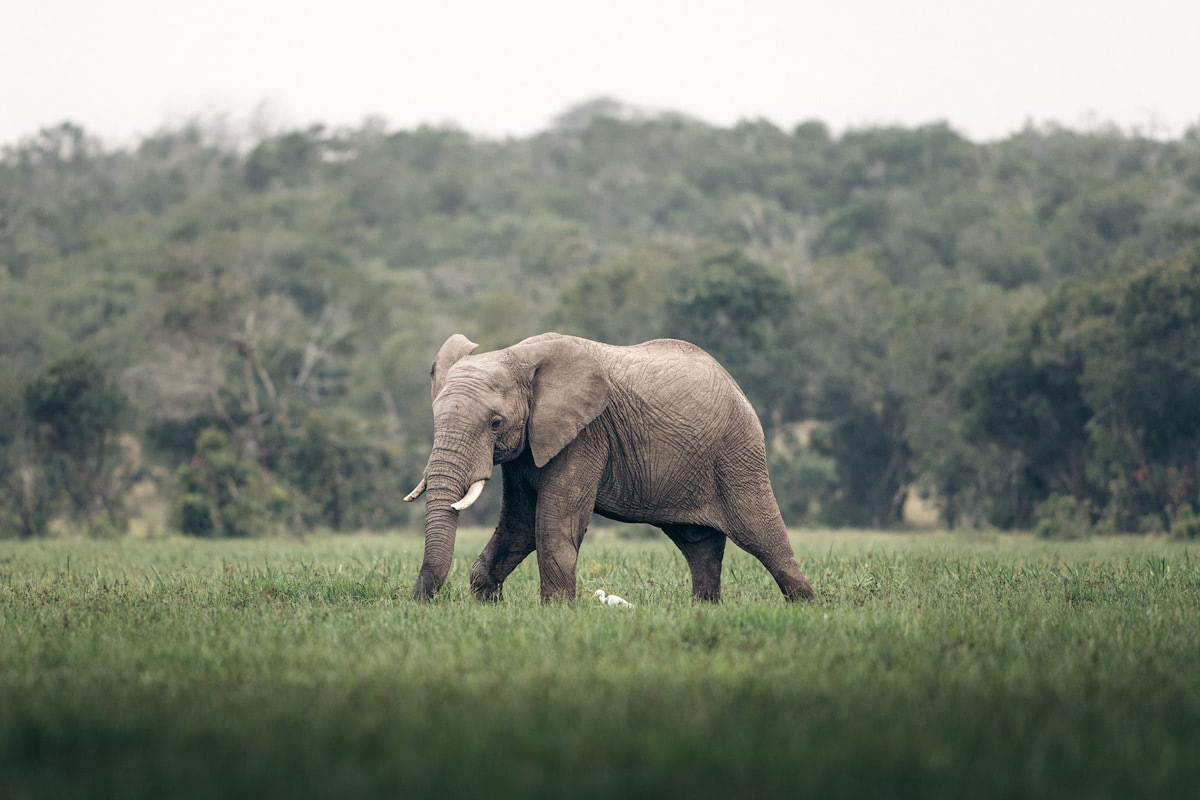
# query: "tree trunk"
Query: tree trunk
28,499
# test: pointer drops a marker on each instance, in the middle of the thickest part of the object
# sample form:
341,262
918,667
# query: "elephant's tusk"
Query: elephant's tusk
470,497
415,493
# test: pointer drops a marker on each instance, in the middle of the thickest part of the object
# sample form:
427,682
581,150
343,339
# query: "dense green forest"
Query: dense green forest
231,338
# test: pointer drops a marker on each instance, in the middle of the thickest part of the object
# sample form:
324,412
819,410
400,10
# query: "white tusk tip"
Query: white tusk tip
416,492
470,497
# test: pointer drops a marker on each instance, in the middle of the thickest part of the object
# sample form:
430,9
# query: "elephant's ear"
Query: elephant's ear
569,391
455,348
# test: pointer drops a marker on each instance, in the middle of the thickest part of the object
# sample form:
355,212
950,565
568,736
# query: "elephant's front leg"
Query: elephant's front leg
504,552
511,542
564,508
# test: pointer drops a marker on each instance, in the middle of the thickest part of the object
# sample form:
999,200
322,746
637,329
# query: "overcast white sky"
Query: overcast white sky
123,68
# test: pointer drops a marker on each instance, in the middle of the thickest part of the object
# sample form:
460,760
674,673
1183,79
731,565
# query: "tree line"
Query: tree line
234,337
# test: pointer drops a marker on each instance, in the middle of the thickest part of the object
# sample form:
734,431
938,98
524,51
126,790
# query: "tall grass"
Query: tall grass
930,666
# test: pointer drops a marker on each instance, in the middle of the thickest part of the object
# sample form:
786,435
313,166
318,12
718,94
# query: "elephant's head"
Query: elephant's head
488,409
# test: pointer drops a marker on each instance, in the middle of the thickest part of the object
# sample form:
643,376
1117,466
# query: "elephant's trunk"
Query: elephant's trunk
441,526
447,481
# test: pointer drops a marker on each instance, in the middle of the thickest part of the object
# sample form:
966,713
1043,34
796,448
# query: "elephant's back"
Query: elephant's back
671,348
680,379
682,365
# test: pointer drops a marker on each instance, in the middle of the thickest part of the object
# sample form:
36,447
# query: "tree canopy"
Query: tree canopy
242,331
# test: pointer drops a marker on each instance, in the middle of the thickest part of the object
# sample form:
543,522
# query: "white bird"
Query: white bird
611,599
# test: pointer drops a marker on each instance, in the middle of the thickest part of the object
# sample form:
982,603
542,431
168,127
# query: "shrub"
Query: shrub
216,495
1186,524
1063,517
1152,524
193,515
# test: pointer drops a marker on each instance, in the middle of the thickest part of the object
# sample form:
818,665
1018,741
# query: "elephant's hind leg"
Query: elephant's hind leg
762,534
781,563
750,517
790,579
704,549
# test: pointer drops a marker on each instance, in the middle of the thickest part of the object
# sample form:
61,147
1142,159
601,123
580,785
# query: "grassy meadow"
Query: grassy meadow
932,665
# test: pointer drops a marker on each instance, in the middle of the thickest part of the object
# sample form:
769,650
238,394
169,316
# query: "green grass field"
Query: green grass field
931,666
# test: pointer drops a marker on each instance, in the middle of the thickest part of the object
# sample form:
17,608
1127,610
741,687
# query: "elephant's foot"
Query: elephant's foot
793,585
483,586
557,594
488,594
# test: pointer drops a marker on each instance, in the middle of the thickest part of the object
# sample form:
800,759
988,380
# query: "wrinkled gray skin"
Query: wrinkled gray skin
656,433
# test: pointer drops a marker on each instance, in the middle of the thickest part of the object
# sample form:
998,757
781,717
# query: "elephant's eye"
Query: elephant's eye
497,422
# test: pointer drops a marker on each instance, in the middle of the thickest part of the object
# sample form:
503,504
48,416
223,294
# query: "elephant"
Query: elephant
657,433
